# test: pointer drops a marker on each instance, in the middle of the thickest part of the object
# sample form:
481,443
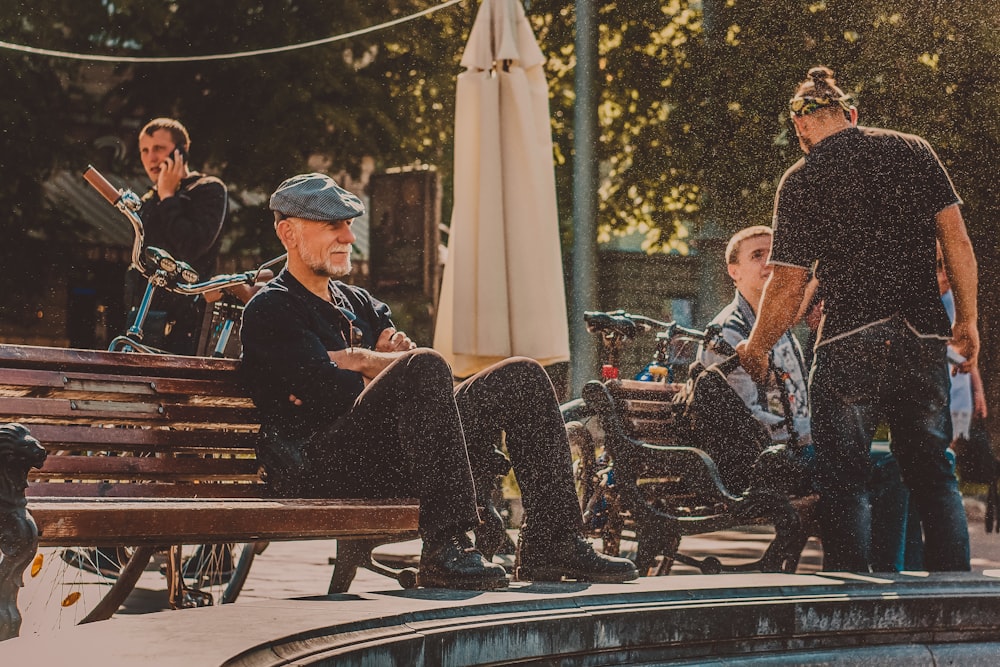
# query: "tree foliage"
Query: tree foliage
35,112
692,94
694,131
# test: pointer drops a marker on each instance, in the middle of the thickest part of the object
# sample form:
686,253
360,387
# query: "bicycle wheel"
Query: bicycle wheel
583,433
593,476
208,574
66,586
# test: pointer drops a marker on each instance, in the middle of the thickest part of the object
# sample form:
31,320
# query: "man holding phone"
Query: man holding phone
183,214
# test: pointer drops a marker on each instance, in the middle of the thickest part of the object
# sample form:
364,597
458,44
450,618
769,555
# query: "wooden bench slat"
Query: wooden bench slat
143,467
16,408
114,521
85,436
207,414
68,384
75,360
41,490
637,389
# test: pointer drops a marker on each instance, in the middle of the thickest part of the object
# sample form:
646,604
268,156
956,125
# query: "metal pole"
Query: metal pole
583,355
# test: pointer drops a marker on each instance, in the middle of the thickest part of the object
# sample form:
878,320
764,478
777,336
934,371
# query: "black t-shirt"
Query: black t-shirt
286,333
862,206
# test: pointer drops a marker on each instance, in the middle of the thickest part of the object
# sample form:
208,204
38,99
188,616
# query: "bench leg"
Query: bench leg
19,453
19,543
351,554
654,539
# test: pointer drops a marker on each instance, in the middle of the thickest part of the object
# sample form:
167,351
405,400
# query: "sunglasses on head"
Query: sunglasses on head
805,105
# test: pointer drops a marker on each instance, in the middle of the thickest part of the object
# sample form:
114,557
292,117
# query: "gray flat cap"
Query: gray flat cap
315,197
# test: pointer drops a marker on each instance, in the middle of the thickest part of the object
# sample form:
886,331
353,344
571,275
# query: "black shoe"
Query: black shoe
569,557
453,562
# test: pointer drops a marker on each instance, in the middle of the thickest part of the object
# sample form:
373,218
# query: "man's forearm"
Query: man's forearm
779,307
362,360
959,262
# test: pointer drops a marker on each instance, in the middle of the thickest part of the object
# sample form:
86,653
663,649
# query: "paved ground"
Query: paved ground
284,615
289,570
295,569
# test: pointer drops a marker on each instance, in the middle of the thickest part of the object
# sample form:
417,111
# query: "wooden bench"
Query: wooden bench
151,450
666,490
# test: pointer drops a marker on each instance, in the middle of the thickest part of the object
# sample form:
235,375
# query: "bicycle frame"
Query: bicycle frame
164,272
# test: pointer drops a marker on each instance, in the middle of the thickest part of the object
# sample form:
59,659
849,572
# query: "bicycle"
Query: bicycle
197,575
592,468
635,465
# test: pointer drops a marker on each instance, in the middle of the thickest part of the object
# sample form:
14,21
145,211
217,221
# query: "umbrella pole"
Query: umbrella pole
583,356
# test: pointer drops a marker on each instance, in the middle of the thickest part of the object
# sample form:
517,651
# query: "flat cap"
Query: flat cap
315,197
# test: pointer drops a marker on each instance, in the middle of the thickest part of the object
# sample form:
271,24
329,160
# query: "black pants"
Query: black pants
412,434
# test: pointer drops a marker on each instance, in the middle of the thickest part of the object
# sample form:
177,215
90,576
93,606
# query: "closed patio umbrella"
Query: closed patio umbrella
502,292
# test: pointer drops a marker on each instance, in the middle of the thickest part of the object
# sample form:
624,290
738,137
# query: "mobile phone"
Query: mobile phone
182,153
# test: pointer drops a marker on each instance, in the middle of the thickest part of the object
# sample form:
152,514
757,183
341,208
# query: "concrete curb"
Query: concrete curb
905,619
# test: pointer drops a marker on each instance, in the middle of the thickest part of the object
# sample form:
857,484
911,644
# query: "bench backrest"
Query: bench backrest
184,426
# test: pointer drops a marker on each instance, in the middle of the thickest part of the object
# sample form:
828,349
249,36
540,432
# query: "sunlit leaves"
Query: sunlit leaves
36,564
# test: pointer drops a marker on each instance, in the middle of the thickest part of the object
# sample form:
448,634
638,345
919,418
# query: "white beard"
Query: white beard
325,266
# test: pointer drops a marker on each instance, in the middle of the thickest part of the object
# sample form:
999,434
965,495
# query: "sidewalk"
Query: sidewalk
289,570
284,614
295,569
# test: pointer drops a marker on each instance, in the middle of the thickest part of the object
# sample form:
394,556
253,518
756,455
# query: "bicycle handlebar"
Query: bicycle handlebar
629,325
225,280
102,185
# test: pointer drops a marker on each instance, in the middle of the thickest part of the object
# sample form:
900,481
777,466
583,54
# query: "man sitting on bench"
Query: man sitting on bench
746,263
352,408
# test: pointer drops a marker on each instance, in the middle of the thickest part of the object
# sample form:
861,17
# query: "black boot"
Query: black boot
450,561
569,556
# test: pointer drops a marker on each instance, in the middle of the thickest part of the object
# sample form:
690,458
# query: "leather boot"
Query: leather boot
450,561
568,556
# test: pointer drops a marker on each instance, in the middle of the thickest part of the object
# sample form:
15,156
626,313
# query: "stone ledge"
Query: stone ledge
896,618
777,619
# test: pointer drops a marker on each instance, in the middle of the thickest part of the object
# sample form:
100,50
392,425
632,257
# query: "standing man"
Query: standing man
182,214
865,207
352,408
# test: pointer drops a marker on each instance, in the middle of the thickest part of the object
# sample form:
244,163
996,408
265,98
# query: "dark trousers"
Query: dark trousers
411,433
884,372
515,398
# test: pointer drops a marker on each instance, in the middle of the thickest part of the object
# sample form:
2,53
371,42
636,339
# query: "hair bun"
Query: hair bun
820,74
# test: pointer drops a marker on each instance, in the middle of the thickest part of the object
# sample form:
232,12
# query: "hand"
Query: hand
979,409
754,363
965,340
172,171
391,340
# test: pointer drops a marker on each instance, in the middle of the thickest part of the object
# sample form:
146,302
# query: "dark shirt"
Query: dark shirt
286,333
188,226
862,205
